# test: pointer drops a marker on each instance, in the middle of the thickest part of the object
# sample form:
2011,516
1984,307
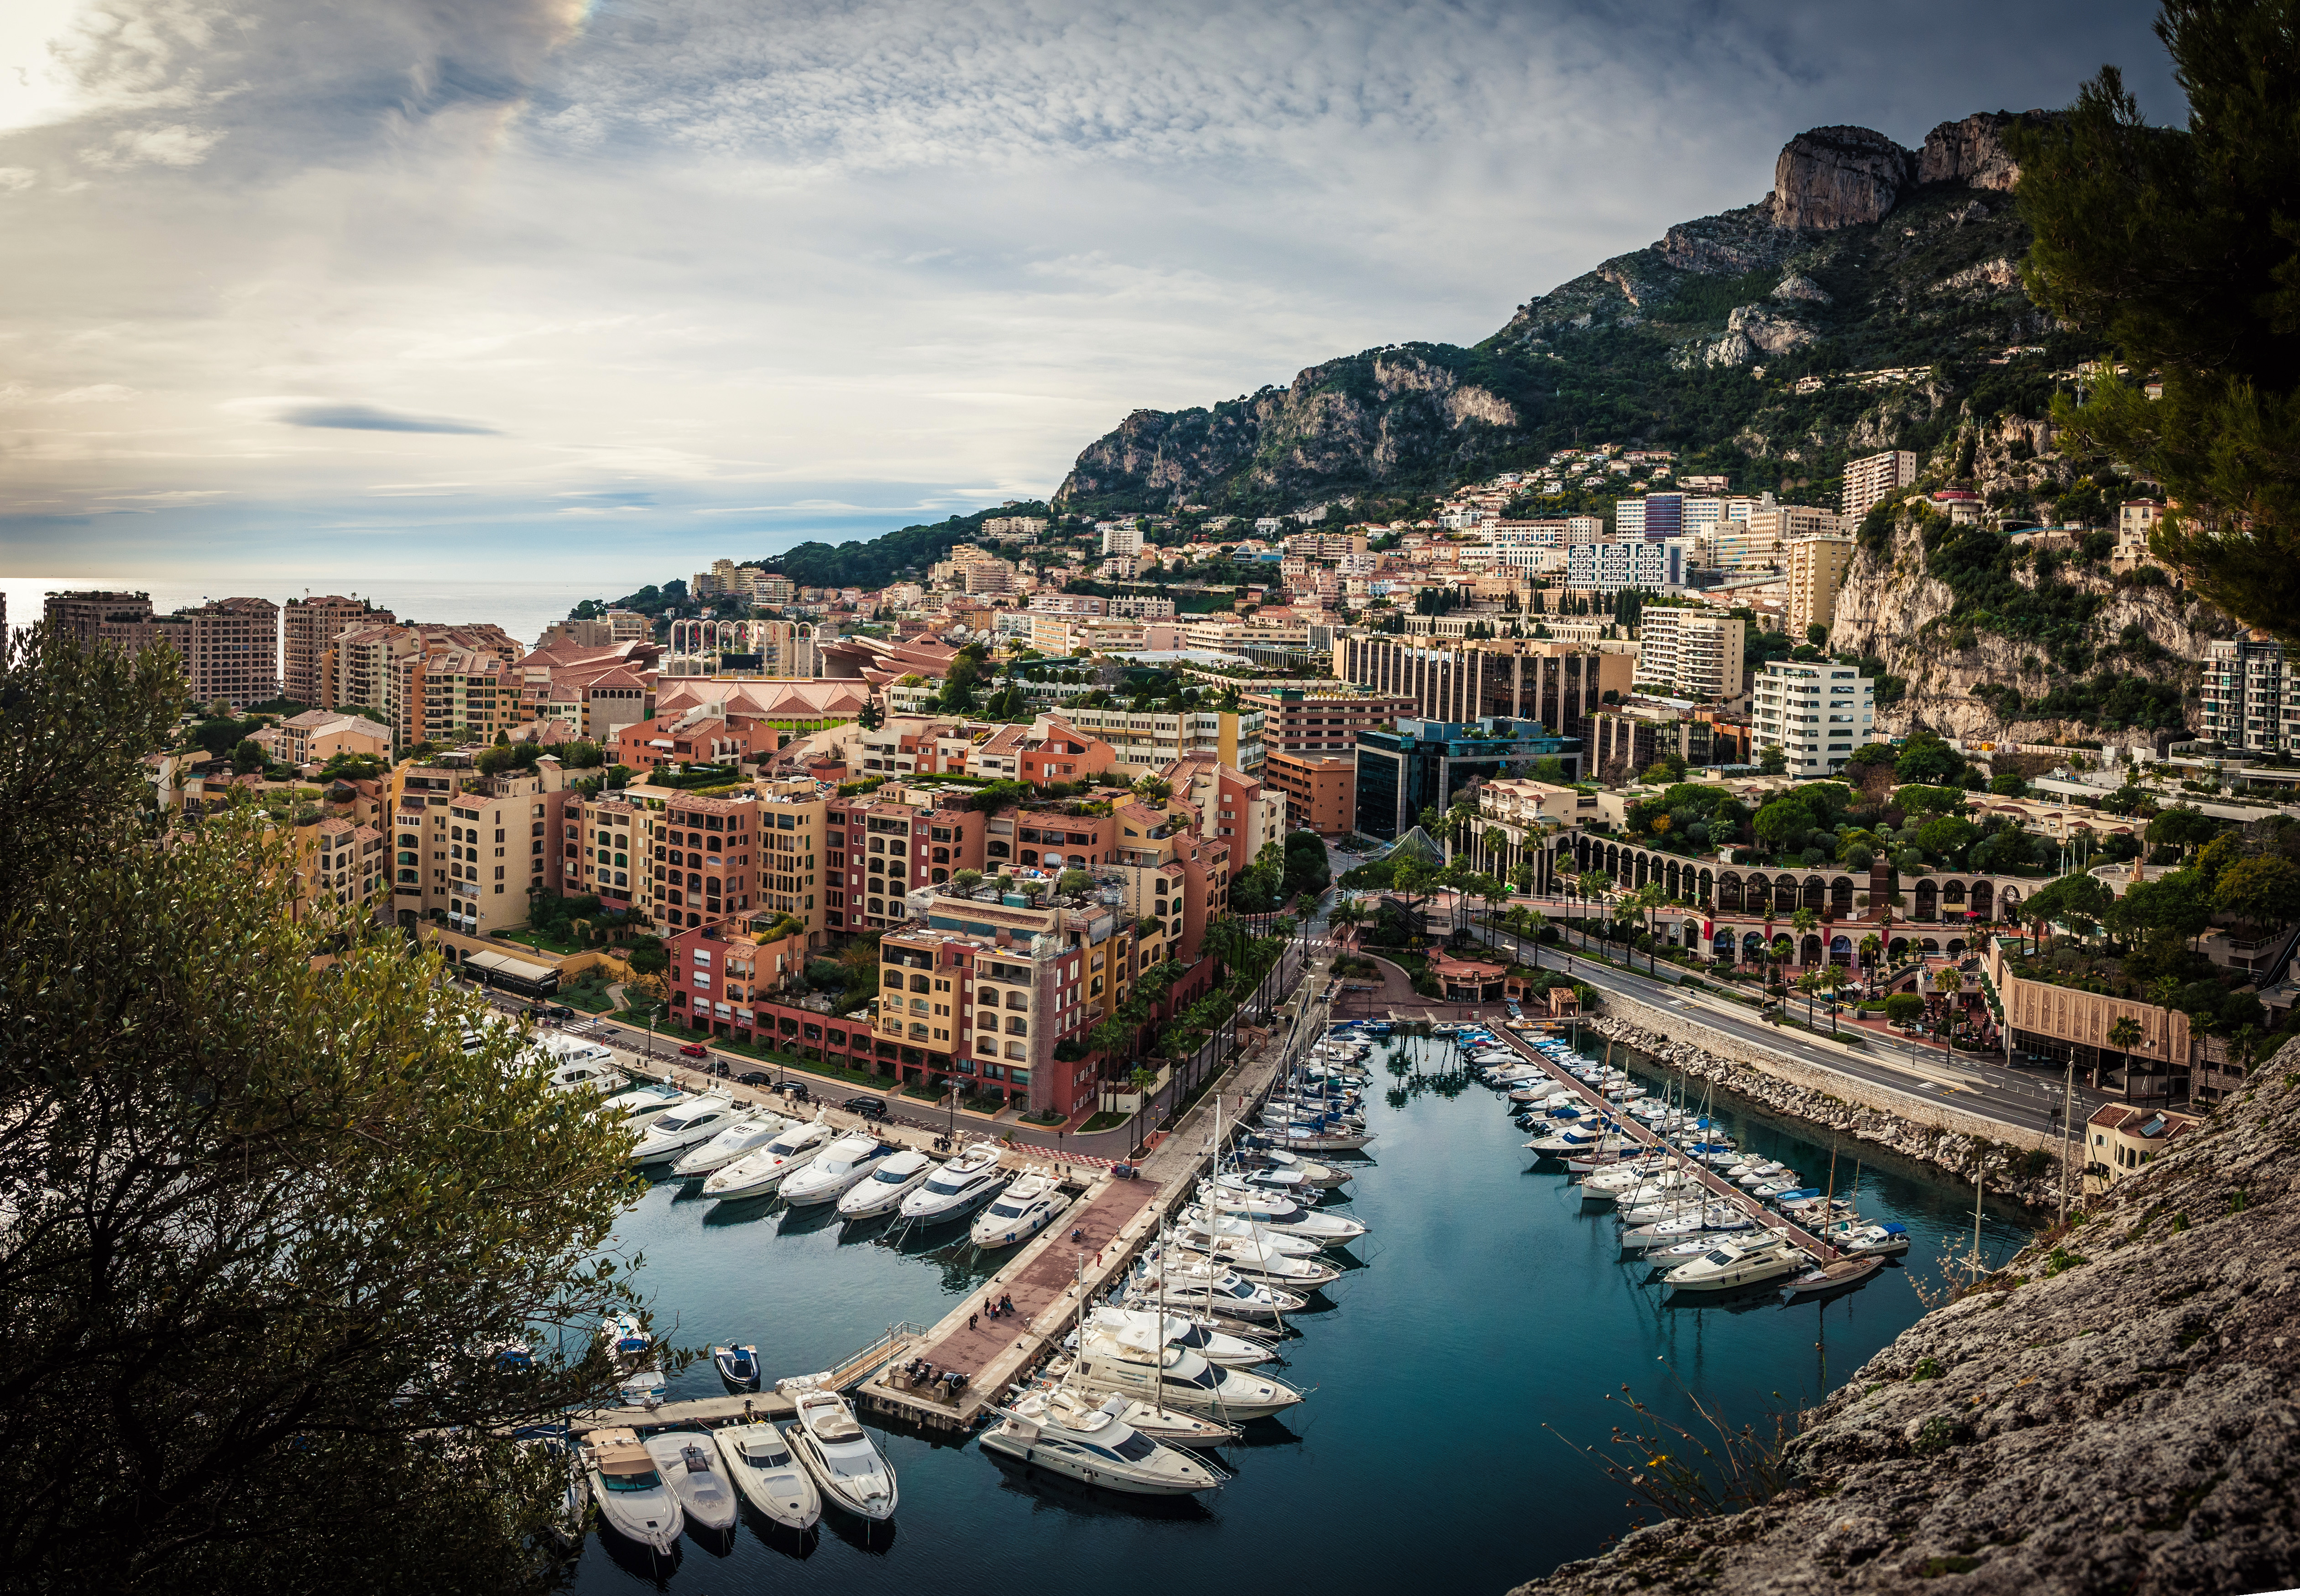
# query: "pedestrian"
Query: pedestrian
970,1323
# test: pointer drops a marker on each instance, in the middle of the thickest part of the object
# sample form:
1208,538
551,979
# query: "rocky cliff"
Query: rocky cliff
2113,1411
1865,254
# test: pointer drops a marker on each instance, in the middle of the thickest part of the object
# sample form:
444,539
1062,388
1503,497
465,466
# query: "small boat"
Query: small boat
1219,1226
835,1170
838,1451
1838,1274
625,1339
741,1136
1865,1240
759,1460
763,1169
1732,1264
1137,1366
739,1366
688,1463
959,1187
1714,1220
633,1500
1022,1210
893,1180
1097,1447
688,1125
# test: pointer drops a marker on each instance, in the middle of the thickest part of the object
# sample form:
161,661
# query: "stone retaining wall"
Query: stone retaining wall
1933,1133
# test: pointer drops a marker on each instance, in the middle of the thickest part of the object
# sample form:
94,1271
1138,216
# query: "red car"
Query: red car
692,1050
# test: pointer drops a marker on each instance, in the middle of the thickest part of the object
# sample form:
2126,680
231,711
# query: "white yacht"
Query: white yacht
1096,1446
688,1125
1281,1214
1716,1219
838,1451
763,1169
1169,1426
1189,1282
580,1066
835,1170
1254,1259
1326,1176
1137,1366
1732,1264
892,1181
759,1460
959,1187
689,1464
633,1500
1229,1351
640,1104
741,1136
1220,1226
1861,1238
1021,1211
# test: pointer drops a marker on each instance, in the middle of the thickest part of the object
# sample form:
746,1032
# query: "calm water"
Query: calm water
1487,1308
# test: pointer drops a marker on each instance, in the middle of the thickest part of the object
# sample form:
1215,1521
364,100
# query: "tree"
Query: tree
1809,984
248,756
1925,758
2182,827
270,1227
2175,244
1773,760
1948,982
1142,1078
1781,822
1947,837
873,715
2262,892
2125,1034
1535,923
1872,947
1902,1007
1496,892
2009,783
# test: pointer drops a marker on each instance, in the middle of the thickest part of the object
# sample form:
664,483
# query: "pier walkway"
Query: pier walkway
1647,1138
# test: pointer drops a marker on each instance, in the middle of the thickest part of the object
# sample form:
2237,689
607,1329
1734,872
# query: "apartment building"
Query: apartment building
1326,545
2135,519
342,863
1631,737
315,736
1689,653
1869,479
723,974
470,850
457,697
918,745
630,626
1122,538
1022,527
886,844
700,735
1168,873
1760,542
1140,608
1816,568
1145,740
1068,603
1552,681
90,616
231,651
1655,517
1321,726
1816,713
1319,791
2249,700
1428,763
1654,565
307,626
1047,750
1225,804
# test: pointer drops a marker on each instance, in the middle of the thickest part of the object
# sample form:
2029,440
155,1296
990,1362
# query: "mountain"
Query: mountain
1865,256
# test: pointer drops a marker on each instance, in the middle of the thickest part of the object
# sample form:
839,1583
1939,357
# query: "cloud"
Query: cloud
175,145
369,417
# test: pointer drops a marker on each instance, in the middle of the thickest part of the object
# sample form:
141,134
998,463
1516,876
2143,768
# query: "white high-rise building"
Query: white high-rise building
1610,567
1818,713
1868,481
1124,537
1689,653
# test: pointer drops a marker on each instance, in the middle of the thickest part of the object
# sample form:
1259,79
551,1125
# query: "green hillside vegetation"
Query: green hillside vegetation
873,563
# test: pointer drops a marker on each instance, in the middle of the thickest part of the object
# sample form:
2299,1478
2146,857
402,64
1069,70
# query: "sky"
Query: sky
306,290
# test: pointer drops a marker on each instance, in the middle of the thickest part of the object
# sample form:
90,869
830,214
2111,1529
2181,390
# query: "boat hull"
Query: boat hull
1055,1459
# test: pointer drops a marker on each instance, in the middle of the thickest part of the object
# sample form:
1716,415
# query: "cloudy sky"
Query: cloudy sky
324,287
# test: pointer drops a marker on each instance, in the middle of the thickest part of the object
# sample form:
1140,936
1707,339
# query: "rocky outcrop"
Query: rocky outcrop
1835,177
1798,286
1750,330
1728,243
1972,151
2111,1411
1957,1154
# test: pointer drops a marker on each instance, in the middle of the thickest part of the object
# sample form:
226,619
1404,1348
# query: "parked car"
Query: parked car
798,1091
719,1068
869,1108
692,1050
754,1077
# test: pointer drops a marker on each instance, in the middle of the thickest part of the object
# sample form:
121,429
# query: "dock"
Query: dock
709,1412
1650,1140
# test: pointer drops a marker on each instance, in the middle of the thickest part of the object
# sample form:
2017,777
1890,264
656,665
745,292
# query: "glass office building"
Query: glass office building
1429,763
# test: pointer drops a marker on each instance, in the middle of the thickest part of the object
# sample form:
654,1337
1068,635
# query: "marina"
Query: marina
1476,1257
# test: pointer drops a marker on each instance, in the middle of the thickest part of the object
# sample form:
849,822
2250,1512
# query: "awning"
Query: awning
513,972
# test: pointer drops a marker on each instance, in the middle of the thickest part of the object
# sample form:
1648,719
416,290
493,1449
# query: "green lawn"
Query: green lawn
1103,1121
542,944
592,999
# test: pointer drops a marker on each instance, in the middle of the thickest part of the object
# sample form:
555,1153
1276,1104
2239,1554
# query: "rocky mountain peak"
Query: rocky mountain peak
1831,178
1972,151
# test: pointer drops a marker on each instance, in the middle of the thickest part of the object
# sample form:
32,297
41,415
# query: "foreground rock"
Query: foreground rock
2112,1412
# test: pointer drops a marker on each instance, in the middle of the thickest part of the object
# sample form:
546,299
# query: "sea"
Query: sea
523,609
1480,1344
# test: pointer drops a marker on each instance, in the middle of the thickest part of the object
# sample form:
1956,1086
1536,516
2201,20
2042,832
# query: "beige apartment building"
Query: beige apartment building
470,850
1146,740
1555,683
1761,542
315,736
1689,653
92,616
1816,568
1868,481
307,626
231,651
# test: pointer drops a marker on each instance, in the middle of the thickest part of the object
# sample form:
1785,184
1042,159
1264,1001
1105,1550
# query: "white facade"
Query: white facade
1122,539
1817,712
1610,567
2251,701
1868,481
1689,653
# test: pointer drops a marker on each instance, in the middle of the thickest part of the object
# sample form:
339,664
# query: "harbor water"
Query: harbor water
1455,1372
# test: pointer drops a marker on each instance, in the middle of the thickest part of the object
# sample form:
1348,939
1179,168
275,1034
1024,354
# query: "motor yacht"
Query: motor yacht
1662,1259
763,1169
1260,1154
640,1104
737,1365
883,1191
1218,1225
835,1170
634,1501
1229,1351
1716,1219
1097,1447
959,1187
1187,1281
1169,1426
1731,1264
689,1462
1137,1366
759,1460
1021,1211
1864,1238
643,1387
838,1451
1825,1280
741,1136
1281,1214
1255,1260
584,1067
688,1125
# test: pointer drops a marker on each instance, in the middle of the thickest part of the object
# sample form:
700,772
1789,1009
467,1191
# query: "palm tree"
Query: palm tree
1535,923
1496,892
1872,948
1142,1078
1809,984
1496,842
1522,878
1804,922
1348,914
2124,1034
1833,979
1948,981
1459,818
